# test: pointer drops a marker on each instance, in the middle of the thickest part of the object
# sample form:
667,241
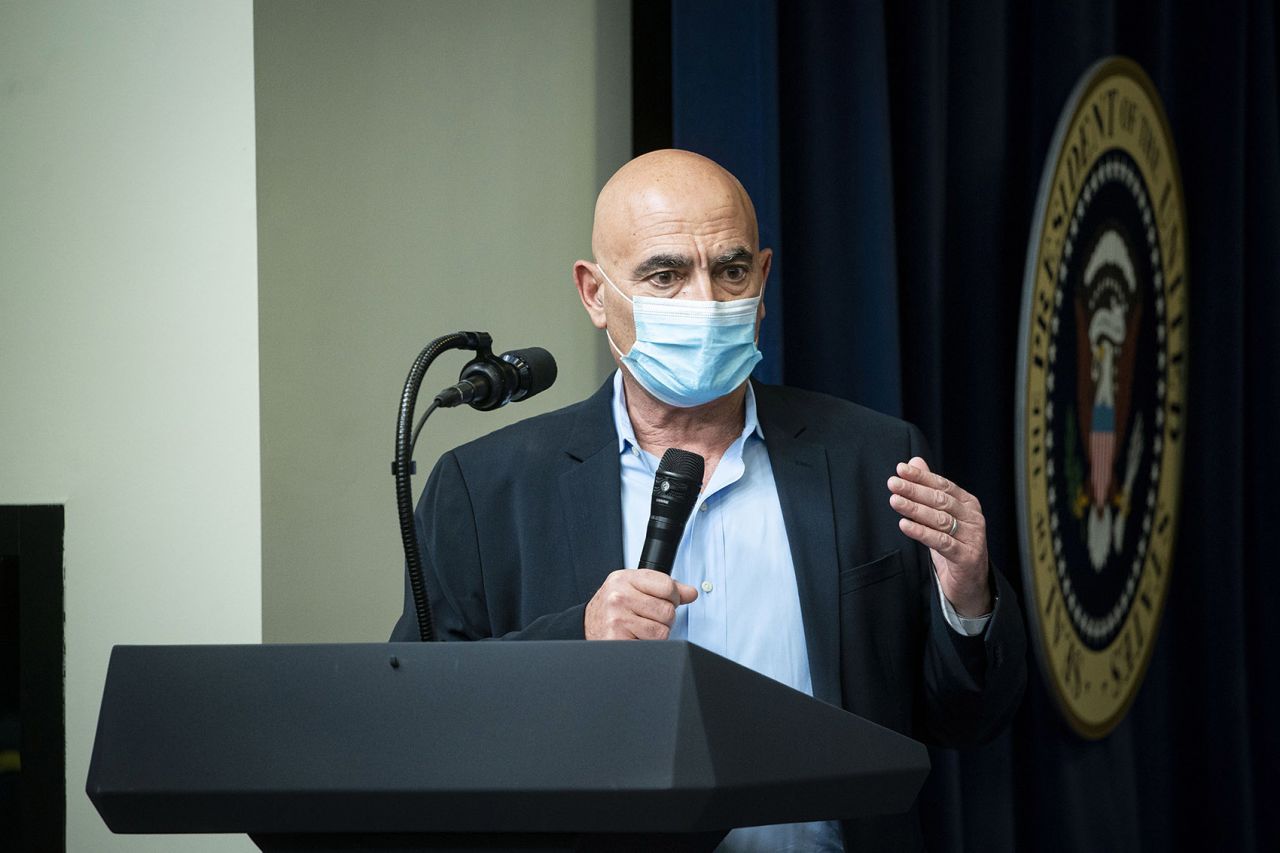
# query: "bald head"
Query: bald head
662,186
669,224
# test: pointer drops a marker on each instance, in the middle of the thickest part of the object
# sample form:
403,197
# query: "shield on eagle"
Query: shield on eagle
1108,308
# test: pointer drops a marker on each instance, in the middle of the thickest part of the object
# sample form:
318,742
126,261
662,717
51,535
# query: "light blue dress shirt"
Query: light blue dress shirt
735,551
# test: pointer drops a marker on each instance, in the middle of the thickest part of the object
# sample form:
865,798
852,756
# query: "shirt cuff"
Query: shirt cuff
964,625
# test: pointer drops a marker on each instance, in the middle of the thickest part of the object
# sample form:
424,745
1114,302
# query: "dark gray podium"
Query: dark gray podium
477,746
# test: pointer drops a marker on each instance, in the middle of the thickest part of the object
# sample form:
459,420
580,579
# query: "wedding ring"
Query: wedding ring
955,525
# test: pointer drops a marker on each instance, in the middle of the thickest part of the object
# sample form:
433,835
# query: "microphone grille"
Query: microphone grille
682,463
535,369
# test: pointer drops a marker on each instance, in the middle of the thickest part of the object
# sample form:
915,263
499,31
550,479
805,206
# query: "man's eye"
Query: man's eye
735,273
666,277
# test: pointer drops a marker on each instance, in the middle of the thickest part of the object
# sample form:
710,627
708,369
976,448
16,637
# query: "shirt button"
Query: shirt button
707,586
703,508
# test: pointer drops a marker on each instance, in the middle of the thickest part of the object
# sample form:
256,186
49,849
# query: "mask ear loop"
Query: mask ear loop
600,302
630,299
609,338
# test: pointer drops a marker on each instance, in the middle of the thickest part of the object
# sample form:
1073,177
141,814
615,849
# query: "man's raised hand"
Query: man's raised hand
949,520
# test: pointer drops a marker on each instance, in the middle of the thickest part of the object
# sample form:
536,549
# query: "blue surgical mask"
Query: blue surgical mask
690,352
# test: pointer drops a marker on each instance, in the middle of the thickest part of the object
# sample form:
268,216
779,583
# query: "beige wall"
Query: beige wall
422,168
128,332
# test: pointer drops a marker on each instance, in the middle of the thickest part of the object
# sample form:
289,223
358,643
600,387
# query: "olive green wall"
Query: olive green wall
422,168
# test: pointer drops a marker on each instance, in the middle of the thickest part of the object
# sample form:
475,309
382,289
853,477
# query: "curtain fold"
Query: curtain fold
837,211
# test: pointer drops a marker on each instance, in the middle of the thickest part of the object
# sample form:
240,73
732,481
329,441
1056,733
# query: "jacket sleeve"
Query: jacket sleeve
453,572
970,686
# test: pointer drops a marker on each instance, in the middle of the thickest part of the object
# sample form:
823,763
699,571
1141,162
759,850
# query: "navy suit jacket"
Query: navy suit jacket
520,528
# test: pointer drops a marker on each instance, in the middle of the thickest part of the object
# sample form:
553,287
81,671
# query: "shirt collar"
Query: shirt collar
627,434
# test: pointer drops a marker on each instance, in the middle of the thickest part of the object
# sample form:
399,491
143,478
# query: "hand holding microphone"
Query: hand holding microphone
635,604
641,603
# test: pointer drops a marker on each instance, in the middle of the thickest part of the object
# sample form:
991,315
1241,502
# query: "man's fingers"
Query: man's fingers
949,547
940,502
653,608
922,494
664,586
655,583
635,604
647,629
688,594
928,516
631,615
918,472
633,627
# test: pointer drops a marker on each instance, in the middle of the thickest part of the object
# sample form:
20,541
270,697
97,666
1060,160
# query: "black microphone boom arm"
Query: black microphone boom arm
401,467
488,381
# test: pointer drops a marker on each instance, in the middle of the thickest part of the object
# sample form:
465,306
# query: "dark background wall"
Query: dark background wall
894,150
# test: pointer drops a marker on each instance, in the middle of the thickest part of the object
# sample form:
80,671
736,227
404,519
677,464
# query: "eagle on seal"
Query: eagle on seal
1108,308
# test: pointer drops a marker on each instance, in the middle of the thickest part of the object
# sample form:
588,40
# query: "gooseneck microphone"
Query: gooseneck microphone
675,491
487,382
491,381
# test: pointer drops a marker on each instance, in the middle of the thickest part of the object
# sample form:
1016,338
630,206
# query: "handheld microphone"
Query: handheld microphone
490,381
675,491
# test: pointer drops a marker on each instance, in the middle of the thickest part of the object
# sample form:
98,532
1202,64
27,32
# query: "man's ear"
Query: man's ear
586,276
766,263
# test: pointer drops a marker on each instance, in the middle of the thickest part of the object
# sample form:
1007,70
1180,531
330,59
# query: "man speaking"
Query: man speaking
821,551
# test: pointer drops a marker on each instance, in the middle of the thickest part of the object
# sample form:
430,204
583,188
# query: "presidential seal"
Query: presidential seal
1102,393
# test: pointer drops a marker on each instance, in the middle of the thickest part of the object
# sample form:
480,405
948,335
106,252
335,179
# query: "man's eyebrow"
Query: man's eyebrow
734,255
653,263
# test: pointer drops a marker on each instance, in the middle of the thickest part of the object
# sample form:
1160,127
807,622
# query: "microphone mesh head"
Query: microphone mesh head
541,366
682,463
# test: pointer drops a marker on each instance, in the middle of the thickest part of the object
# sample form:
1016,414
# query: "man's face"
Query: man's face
695,240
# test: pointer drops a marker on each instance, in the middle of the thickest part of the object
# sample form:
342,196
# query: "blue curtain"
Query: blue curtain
894,150
737,127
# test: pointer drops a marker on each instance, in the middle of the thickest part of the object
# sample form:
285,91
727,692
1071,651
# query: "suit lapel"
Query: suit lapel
590,491
802,476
